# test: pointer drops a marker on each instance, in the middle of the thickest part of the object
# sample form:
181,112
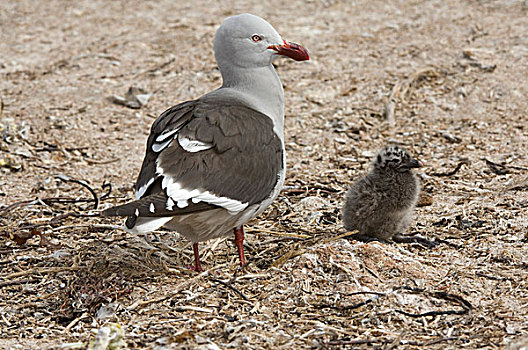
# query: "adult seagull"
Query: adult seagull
214,163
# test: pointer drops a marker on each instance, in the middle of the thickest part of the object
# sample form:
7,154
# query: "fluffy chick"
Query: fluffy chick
380,205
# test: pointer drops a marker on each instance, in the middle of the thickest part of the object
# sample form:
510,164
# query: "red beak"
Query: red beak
291,50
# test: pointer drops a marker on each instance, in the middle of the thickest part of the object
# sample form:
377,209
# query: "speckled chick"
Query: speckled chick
380,205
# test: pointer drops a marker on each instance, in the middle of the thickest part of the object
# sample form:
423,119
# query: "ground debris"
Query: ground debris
448,75
109,337
479,58
404,88
135,98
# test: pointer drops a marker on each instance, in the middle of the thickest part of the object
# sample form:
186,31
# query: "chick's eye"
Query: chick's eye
256,38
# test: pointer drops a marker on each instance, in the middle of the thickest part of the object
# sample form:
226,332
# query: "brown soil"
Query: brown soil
447,79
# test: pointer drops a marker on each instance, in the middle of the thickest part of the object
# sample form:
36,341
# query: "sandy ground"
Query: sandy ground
455,75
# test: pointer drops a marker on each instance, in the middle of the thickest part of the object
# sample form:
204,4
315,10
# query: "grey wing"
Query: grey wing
202,156
162,133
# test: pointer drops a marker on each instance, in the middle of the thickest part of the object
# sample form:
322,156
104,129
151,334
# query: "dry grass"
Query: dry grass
445,79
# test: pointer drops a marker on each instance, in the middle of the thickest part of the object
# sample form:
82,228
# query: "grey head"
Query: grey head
245,46
395,158
248,41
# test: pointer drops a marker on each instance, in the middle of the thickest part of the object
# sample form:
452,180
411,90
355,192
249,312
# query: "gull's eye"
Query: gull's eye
256,38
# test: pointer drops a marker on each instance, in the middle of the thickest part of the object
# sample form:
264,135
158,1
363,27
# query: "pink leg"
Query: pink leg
197,265
239,242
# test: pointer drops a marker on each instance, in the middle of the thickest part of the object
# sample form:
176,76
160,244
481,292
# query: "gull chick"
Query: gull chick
380,205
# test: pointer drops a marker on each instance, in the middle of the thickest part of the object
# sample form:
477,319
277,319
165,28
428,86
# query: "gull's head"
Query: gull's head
248,41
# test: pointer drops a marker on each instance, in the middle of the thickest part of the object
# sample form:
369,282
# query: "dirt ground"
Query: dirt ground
446,79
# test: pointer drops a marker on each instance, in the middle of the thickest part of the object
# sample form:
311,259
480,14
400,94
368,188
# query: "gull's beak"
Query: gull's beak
291,50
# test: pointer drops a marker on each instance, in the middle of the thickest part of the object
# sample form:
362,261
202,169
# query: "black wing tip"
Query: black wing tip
116,211
131,222
111,212
108,212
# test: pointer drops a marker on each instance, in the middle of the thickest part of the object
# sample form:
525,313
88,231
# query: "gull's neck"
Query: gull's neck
260,88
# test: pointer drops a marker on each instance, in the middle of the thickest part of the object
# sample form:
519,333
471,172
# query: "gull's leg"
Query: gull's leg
197,265
239,242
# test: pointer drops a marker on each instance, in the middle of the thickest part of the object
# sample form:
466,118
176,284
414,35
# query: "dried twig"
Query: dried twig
66,178
10,207
466,306
351,307
353,293
452,172
108,186
193,308
156,68
41,271
15,282
497,168
228,285
75,321
359,341
277,233
390,341
100,162
519,185
163,65
399,238
62,200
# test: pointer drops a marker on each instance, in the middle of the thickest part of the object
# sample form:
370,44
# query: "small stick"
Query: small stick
107,185
18,204
399,238
100,162
352,293
66,178
466,305
359,341
497,168
433,313
24,281
42,271
350,307
49,201
452,172
154,69
276,233
74,322
228,285
89,226
389,341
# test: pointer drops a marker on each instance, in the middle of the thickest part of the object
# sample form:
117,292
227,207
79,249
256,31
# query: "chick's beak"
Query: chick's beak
291,50
413,163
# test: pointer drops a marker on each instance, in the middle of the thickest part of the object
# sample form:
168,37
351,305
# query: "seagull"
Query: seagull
214,163
380,205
